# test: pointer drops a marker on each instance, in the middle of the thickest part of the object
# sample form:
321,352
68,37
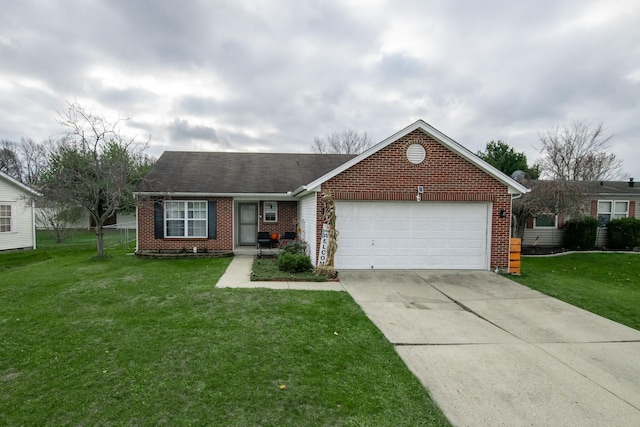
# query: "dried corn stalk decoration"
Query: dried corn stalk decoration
329,240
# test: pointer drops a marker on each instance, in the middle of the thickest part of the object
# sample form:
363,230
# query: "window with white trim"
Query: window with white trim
545,221
611,209
270,211
6,217
185,218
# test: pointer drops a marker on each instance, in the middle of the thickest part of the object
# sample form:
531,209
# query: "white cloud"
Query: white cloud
271,75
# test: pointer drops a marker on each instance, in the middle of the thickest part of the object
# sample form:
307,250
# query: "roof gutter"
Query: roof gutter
33,222
234,195
299,190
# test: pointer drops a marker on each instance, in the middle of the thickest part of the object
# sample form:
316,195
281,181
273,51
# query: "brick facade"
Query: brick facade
287,212
445,176
224,225
385,175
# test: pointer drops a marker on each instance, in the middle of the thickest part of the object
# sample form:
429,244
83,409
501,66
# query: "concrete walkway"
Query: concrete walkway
492,352
239,271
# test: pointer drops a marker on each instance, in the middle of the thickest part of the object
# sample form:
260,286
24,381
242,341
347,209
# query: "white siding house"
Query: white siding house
307,223
17,219
42,214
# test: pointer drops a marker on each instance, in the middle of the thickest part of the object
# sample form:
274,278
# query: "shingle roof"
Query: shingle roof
607,187
236,173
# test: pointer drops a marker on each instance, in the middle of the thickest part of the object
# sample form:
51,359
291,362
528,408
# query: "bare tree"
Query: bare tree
547,198
23,160
34,159
346,142
93,166
9,161
578,153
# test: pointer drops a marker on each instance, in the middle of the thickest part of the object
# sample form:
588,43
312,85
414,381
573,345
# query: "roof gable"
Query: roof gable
513,186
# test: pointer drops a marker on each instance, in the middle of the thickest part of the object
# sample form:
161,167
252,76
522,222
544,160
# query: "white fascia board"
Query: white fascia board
304,191
299,190
514,186
18,184
247,196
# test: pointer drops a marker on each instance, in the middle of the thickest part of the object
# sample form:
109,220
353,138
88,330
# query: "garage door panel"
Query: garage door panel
412,235
474,246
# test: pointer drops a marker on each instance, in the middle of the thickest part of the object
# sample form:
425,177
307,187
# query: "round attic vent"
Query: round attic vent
416,154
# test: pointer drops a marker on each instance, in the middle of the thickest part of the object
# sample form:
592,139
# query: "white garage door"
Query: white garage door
411,235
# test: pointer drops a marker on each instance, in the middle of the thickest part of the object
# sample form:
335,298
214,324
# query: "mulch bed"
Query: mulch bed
166,254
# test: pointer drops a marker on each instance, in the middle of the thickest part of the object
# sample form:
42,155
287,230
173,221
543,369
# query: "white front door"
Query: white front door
248,223
411,235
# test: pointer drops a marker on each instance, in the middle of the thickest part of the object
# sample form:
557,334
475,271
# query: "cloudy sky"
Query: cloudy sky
262,75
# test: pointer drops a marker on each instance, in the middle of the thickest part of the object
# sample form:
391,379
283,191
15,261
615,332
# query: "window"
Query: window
270,211
611,209
545,221
185,219
5,218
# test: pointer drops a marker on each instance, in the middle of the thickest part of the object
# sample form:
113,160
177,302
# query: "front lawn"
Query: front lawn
129,341
607,284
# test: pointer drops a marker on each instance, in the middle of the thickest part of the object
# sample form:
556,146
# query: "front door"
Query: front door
248,223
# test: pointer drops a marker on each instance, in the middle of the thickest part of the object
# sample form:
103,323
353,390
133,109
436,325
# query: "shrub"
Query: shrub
294,262
294,247
623,233
580,233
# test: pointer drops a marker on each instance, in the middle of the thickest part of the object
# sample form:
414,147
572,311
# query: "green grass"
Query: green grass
266,268
605,284
133,342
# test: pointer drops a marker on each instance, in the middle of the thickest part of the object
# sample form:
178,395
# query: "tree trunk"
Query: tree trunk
521,224
100,240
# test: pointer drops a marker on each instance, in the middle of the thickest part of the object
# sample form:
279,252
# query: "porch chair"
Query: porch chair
264,238
288,236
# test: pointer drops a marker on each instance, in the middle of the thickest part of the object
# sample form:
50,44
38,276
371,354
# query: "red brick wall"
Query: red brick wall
287,211
224,224
445,176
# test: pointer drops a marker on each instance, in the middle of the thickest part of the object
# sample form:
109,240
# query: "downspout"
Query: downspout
511,207
137,228
33,221
511,228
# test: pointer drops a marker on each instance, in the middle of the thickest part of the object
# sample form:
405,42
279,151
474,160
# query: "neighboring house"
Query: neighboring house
118,221
416,200
605,200
17,219
125,220
43,213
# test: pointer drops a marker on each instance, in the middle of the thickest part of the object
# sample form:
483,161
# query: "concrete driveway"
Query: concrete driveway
493,352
